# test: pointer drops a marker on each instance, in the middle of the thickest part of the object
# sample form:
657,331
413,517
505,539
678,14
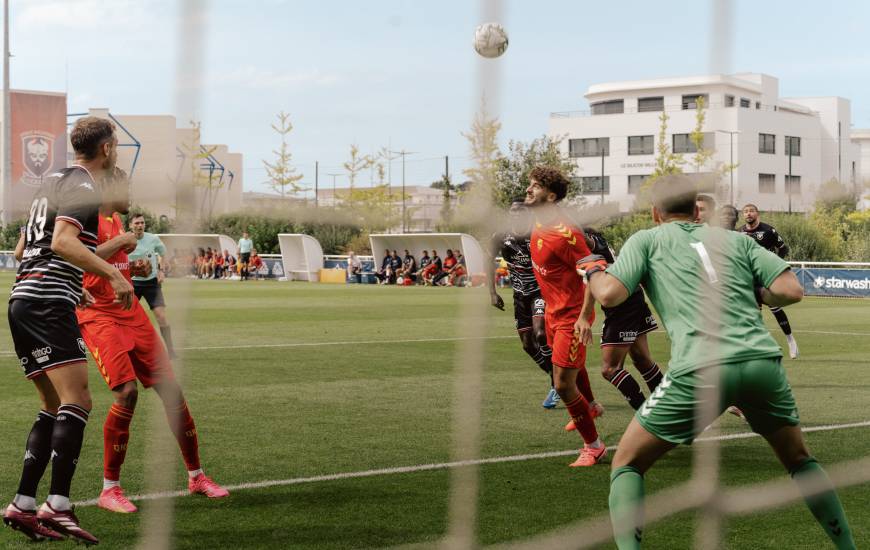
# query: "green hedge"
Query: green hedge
264,230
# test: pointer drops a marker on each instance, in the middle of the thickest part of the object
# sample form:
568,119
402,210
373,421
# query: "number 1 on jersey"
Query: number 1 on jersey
706,261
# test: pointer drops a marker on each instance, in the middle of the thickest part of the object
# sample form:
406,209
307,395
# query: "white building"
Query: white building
423,205
862,138
746,121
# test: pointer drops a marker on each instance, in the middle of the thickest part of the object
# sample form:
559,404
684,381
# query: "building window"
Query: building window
682,143
691,101
793,146
793,185
635,183
608,107
767,143
640,145
729,100
645,104
744,102
589,147
766,183
592,185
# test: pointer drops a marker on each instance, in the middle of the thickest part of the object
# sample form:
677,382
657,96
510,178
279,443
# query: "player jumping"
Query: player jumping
703,282
58,245
126,348
556,245
150,247
768,238
513,247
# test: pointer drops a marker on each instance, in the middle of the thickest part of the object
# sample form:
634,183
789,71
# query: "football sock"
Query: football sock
825,506
583,385
782,319
184,429
652,376
628,386
626,507
36,455
58,502
66,444
582,417
24,502
116,434
109,483
543,357
193,473
166,332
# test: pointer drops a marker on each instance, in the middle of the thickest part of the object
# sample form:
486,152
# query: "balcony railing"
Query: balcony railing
673,108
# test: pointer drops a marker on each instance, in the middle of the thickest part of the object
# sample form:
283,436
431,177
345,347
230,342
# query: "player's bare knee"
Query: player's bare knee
609,370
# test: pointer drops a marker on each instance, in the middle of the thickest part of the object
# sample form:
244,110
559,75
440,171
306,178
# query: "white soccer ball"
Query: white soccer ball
490,40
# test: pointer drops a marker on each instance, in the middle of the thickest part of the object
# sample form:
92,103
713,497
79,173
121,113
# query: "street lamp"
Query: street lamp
731,172
403,153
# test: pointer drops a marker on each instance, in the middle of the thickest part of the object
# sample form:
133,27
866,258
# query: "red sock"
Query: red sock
582,416
583,385
184,429
116,433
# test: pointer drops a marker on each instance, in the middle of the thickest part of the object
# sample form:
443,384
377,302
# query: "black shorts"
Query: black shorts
151,290
46,335
244,257
625,322
526,308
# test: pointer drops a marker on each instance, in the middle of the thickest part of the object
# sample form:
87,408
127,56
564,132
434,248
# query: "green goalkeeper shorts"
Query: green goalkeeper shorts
758,387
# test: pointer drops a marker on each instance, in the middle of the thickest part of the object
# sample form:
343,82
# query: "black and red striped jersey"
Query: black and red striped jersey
70,195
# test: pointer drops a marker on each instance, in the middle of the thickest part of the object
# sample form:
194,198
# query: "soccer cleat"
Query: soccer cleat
25,521
792,347
589,456
552,400
113,500
64,522
203,485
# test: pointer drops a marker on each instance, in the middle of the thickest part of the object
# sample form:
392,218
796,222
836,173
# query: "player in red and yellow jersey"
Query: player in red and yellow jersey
556,246
127,348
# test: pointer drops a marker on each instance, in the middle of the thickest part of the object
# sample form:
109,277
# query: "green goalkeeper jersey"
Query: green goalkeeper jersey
701,280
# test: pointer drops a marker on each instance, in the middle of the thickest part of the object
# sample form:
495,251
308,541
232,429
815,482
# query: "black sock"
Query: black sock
782,319
66,444
166,332
652,376
37,453
628,386
544,358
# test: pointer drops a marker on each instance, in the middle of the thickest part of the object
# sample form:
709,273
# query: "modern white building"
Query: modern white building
747,124
862,138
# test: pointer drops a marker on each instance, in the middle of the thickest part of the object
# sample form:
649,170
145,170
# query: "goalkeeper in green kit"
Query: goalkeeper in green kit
705,282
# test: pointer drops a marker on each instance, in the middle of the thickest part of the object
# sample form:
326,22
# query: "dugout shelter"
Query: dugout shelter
302,257
416,243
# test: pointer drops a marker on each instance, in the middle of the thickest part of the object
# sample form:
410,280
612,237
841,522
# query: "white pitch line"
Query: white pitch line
445,465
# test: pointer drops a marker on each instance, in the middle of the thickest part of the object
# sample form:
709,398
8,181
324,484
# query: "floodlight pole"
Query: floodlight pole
334,196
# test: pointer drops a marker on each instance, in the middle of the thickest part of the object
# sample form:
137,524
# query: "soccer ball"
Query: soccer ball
490,40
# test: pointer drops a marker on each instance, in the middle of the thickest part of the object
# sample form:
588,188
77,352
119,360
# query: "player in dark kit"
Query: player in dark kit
768,238
529,306
625,328
58,246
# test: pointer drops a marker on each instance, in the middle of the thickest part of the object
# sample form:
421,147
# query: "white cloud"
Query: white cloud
260,78
83,14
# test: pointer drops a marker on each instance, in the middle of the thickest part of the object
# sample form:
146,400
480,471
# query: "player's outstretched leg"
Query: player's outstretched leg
782,319
581,415
612,369
71,384
819,493
21,513
182,426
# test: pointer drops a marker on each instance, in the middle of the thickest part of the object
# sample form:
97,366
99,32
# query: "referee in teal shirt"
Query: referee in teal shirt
150,247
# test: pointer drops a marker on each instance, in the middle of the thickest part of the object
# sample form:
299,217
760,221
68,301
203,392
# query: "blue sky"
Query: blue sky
403,72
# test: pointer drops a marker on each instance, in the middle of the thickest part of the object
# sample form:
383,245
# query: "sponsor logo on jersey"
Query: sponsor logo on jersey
37,149
81,344
41,355
628,336
31,252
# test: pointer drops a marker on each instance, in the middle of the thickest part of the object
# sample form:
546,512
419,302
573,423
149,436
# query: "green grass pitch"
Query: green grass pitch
266,412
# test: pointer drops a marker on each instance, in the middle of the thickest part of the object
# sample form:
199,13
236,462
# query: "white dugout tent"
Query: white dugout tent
185,242
417,242
302,257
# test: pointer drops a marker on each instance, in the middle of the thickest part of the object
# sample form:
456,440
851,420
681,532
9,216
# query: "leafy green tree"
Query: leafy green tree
513,168
282,175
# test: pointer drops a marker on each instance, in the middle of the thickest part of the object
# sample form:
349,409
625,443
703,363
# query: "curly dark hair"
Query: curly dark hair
551,179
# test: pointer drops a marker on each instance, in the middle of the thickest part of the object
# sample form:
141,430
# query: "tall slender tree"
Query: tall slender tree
282,175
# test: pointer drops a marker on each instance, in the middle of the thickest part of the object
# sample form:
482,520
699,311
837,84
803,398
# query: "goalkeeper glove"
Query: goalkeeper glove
592,263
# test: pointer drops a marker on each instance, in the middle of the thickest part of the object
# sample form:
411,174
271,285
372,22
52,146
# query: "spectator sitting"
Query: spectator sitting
432,270
459,272
425,260
381,274
229,265
354,268
408,270
395,267
254,265
219,265
450,262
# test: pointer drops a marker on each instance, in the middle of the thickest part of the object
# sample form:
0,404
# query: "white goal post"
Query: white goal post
417,242
302,257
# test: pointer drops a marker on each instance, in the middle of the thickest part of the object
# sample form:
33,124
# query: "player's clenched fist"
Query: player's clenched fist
590,264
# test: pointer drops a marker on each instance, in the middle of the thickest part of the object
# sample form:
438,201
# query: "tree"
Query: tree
282,175
446,186
356,164
667,162
483,141
512,169
374,207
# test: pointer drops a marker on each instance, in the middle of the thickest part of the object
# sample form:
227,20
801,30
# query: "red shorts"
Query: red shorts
568,352
127,352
